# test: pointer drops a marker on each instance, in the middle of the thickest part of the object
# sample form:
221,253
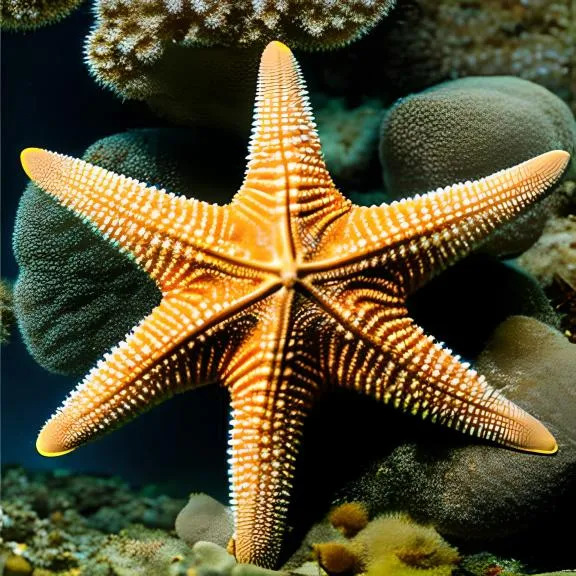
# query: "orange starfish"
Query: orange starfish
282,294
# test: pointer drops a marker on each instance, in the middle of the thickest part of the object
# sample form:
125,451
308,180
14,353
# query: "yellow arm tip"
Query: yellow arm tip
31,159
277,46
47,445
538,438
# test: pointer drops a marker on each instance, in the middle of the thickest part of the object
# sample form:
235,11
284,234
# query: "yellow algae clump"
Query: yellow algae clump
349,518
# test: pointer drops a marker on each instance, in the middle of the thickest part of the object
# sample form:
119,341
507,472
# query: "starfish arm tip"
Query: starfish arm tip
31,159
47,443
539,439
278,47
560,157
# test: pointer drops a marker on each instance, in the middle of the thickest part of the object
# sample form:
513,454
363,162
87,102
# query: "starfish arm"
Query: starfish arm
164,233
273,381
381,352
423,235
286,178
162,356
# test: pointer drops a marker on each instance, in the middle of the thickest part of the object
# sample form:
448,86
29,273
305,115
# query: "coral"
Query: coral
476,493
428,41
16,565
349,139
414,545
6,311
107,504
136,34
209,558
349,518
48,520
337,558
552,260
391,565
486,564
31,14
75,295
204,518
321,532
390,544
461,129
138,551
178,56
554,254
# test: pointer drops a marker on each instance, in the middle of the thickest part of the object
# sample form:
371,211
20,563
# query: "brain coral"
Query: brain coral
75,295
464,128
157,51
30,14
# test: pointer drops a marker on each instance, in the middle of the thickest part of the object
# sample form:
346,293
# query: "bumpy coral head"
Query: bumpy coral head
179,56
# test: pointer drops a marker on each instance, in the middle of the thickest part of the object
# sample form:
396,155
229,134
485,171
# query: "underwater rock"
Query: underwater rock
461,129
204,518
75,295
477,493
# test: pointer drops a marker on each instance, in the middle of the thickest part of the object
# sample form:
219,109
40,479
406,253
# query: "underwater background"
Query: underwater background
50,100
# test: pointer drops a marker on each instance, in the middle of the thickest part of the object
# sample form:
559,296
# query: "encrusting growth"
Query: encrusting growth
283,294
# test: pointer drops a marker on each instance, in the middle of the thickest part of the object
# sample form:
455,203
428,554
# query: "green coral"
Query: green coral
6,311
465,129
75,295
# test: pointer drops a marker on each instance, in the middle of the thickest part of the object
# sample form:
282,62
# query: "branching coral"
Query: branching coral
30,14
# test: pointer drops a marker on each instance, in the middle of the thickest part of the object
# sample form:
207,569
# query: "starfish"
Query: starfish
287,292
